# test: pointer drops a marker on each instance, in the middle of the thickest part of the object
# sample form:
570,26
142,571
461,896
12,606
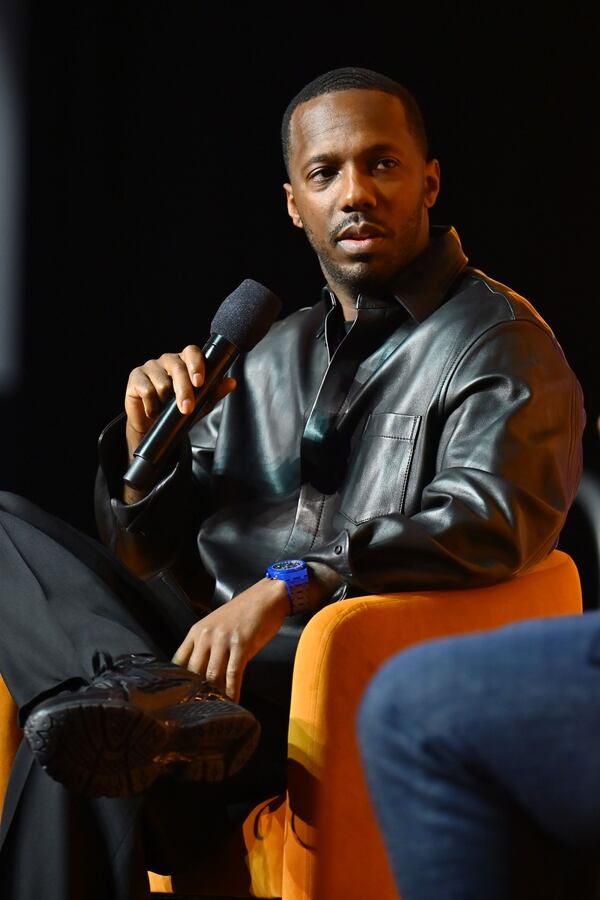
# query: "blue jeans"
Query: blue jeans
482,757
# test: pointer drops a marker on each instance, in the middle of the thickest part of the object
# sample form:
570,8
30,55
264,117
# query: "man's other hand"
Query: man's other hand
220,645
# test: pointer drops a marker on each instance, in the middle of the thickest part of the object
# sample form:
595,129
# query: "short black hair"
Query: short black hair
349,78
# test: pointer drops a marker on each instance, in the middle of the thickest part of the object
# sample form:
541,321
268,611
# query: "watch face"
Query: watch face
284,565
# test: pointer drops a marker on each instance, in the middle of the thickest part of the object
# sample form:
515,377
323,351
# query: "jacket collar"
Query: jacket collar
422,285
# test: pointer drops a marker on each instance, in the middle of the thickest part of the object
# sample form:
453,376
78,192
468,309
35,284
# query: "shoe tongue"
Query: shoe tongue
103,661
134,659
109,671
135,669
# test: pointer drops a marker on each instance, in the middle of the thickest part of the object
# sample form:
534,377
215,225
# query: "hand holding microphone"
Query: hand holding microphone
193,380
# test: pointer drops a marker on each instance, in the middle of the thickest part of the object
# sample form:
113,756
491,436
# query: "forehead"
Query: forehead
347,121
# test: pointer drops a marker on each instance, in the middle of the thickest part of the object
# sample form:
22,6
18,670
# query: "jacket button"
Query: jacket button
337,550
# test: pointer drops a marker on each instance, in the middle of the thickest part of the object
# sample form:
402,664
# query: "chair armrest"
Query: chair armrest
332,845
10,737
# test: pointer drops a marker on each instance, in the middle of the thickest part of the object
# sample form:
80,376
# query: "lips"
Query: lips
361,232
364,238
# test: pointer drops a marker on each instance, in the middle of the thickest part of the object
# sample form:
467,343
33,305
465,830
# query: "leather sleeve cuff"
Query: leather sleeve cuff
335,555
113,461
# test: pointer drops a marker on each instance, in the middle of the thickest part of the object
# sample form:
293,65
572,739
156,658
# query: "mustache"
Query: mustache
356,221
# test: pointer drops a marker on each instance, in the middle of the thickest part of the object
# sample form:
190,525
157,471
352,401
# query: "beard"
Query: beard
361,275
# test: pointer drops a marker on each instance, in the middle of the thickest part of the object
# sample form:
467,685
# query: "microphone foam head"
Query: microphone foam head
245,316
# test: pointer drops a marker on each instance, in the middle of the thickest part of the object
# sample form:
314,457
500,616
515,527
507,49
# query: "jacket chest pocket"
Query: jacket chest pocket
378,473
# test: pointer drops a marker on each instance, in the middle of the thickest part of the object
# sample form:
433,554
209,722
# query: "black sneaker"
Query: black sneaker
138,719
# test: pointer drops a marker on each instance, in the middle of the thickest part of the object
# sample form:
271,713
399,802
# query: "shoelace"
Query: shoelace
102,662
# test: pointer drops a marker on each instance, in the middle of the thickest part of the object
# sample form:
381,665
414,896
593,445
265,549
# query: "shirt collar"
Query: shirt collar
422,285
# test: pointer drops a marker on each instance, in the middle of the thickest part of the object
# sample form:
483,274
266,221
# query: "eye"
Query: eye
386,162
324,173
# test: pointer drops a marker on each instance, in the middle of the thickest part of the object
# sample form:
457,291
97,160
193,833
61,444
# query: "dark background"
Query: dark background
153,185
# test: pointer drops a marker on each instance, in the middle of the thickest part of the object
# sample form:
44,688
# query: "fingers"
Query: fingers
217,659
186,370
194,361
150,385
184,651
234,675
153,382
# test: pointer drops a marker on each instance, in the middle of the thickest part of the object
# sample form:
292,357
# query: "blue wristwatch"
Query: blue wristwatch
296,574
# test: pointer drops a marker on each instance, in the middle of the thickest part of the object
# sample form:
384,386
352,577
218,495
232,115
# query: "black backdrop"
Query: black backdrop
154,186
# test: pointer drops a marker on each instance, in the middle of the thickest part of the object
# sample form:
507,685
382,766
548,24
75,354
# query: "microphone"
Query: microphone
241,321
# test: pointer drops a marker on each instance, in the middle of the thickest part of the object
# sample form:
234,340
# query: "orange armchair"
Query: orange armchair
320,841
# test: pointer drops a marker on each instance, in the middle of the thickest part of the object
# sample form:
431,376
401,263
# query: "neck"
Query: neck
348,304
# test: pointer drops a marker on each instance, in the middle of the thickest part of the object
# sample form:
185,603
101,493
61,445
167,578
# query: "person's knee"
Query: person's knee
401,699
373,710
416,699
12,503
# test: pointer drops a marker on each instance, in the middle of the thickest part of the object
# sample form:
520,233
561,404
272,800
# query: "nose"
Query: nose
357,190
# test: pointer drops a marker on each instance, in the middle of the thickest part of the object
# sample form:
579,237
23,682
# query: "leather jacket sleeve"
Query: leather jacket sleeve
154,533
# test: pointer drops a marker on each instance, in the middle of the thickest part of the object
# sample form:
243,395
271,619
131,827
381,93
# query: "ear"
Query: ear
432,182
291,206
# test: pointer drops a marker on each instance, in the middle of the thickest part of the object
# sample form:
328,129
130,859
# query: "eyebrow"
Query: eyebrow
331,156
319,158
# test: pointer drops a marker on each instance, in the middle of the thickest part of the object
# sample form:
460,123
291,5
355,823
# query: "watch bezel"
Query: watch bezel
295,575
287,565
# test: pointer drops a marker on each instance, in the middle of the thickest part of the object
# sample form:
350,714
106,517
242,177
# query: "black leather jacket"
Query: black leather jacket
438,445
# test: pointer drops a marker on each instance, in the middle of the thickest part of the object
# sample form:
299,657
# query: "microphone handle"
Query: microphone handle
145,470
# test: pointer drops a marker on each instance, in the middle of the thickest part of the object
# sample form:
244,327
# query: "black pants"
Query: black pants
64,598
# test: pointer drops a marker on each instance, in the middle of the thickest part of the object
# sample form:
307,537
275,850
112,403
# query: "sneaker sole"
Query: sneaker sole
111,750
